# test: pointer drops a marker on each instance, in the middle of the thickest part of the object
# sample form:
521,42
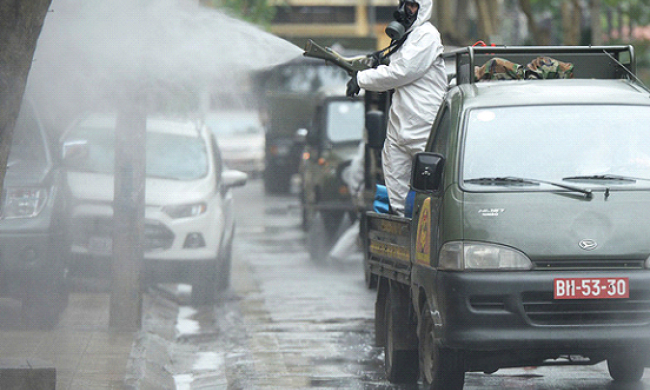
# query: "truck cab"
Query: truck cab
527,244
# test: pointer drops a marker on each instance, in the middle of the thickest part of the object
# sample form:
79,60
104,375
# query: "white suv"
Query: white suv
189,222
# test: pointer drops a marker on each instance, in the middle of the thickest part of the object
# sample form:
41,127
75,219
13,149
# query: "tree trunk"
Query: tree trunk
538,36
446,22
463,21
596,25
485,26
20,25
571,21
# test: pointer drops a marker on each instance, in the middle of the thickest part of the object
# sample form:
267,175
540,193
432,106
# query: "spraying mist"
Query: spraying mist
91,52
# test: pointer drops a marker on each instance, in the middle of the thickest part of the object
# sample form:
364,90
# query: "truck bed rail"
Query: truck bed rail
590,62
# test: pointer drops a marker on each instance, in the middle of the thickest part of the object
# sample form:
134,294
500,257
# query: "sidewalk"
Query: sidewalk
87,355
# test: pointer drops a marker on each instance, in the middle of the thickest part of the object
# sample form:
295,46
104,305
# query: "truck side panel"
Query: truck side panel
389,246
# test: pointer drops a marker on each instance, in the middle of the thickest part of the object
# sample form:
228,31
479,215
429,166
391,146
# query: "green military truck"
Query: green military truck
287,102
528,240
331,142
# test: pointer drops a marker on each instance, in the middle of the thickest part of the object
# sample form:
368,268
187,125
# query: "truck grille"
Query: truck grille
542,309
590,264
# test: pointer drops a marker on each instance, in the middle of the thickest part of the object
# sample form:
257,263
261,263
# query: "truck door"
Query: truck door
427,204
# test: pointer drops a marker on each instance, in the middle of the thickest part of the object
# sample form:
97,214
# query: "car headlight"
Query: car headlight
23,202
185,210
472,256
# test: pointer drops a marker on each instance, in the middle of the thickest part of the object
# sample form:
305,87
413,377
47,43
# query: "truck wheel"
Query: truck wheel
401,362
369,277
318,239
380,314
333,221
442,368
625,369
277,181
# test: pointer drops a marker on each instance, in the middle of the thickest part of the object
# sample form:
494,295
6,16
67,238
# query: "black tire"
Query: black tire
626,369
332,221
441,368
318,239
225,261
42,303
276,181
401,365
380,314
369,278
204,285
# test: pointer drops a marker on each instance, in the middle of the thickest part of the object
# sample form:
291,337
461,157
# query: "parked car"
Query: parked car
189,222
32,233
241,138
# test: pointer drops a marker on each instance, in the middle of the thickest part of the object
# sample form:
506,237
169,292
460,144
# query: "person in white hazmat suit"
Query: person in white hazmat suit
416,73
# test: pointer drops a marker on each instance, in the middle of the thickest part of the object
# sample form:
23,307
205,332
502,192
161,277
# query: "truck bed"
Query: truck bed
388,246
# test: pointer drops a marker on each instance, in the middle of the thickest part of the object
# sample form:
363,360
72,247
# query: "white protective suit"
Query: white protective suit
417,74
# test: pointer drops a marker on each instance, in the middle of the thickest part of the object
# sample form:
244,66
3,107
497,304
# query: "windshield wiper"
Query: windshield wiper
606,177
502,181
512,180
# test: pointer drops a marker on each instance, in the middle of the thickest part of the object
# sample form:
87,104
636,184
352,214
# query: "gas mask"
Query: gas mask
404,19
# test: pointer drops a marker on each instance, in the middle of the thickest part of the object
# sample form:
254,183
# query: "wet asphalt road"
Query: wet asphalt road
309,325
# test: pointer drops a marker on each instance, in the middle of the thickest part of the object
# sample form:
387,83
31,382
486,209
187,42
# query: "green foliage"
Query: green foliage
254,11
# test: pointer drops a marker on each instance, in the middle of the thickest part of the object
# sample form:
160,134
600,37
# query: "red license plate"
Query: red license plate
591,288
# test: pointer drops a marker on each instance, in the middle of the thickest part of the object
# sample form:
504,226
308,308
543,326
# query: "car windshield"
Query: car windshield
169,156
345,120
570,144
28,145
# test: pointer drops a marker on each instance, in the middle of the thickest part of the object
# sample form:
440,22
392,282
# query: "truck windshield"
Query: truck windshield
345,120
590,145
303,78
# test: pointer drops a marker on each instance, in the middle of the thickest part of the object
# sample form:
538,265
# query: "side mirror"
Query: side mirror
231,178
376,129
426,175
75,151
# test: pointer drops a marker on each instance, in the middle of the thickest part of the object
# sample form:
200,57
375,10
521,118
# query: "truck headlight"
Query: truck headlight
23,202
472,256
185,210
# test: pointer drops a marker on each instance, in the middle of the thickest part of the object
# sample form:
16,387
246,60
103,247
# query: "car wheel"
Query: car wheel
204,285
625,369
441,368
225,261
43,300
401,364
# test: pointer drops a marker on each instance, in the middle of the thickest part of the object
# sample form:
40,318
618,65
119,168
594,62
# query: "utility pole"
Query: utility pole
128,217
